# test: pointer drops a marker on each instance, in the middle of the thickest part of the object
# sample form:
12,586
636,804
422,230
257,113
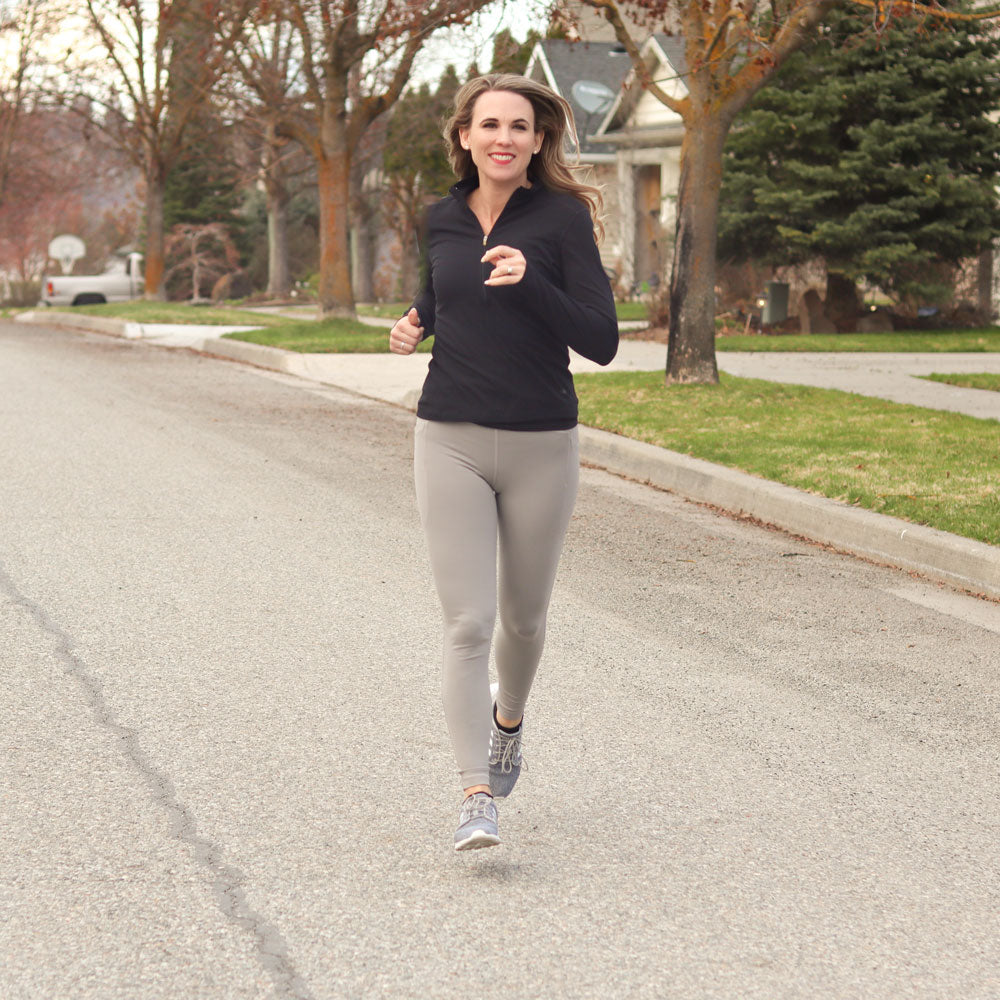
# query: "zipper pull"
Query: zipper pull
486,236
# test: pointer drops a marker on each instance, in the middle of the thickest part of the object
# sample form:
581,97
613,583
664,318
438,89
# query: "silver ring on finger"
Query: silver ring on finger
510,270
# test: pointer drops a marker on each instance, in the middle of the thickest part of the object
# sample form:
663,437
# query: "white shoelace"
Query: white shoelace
506,750
478,805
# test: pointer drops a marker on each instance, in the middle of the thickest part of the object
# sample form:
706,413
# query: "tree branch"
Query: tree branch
609,8
896,7
750,77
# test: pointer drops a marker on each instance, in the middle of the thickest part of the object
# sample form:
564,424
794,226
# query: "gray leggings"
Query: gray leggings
475,486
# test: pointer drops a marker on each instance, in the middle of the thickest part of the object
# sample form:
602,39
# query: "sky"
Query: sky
459,47
462,46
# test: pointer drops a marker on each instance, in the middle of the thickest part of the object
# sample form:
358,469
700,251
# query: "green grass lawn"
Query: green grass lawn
926,466
383,310
977,380
631,311
909,341
141,311
330,336
392,310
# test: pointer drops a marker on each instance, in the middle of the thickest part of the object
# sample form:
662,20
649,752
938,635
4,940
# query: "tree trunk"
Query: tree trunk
364,255
365,237
984,285
691,341
155,176
408,281
279,279
407,206
842,305
336,297
279,276
195,271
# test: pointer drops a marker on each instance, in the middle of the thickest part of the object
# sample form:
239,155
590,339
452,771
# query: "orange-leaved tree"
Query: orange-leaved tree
732,49
356,58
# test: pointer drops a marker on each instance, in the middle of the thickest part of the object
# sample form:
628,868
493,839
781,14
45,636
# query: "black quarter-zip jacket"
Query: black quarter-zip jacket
500,356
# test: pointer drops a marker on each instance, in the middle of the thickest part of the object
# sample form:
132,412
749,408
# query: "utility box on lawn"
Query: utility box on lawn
775,303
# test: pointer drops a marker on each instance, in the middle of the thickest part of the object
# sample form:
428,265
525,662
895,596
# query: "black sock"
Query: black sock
504,729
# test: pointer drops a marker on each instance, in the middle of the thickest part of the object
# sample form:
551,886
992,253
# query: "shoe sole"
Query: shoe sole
477,840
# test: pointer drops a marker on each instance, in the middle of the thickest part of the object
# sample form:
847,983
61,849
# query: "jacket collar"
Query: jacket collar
461,191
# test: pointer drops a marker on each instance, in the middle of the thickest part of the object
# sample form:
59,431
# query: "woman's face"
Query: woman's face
502,137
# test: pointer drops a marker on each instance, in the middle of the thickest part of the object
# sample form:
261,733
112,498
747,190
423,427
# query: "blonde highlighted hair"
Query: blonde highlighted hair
553,118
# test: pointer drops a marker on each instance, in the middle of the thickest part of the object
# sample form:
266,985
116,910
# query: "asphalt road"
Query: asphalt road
758,769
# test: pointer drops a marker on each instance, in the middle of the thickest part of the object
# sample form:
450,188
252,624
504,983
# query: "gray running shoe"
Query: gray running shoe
477,823
505,755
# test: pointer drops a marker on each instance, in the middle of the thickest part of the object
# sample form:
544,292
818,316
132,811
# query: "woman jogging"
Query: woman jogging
514,279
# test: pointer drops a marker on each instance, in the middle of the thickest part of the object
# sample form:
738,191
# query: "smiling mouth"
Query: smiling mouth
502,157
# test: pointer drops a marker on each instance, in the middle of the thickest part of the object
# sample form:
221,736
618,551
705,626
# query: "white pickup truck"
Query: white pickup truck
120,282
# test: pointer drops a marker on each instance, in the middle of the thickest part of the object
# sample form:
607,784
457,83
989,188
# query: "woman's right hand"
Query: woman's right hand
406,334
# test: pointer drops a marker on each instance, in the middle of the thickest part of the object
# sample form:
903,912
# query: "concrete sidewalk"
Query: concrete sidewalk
895,377
972,566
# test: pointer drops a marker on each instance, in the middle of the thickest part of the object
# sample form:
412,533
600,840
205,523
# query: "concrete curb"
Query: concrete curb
942,556
938,555
273,358
94,324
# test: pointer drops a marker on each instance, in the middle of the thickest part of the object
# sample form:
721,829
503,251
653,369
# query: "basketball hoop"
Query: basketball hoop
67,250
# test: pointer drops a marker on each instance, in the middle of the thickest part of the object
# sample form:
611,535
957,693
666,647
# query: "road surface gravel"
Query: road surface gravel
756,768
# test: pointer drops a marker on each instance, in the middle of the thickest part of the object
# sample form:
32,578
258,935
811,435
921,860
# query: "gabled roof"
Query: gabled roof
664,57
672,47
561,63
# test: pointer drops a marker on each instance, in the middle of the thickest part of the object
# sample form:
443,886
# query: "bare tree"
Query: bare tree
415,166
164,58
203,253
356,58
732,49
268,90
21,28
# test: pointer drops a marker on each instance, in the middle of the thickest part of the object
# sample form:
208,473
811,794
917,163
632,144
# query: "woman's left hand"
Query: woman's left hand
509,265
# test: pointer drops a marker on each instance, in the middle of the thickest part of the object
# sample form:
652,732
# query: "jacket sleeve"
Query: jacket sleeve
424,303
582,311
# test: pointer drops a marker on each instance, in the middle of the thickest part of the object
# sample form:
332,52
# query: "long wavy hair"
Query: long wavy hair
553,118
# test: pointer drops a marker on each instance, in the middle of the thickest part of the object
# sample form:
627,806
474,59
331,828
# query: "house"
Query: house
629,139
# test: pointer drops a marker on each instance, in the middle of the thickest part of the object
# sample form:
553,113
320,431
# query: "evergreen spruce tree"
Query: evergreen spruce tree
873,153
204,186
414,149
510,55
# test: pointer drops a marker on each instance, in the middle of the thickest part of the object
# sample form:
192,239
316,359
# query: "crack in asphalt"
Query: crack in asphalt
227,881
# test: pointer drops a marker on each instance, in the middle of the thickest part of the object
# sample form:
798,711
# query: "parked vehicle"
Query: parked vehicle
121,282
